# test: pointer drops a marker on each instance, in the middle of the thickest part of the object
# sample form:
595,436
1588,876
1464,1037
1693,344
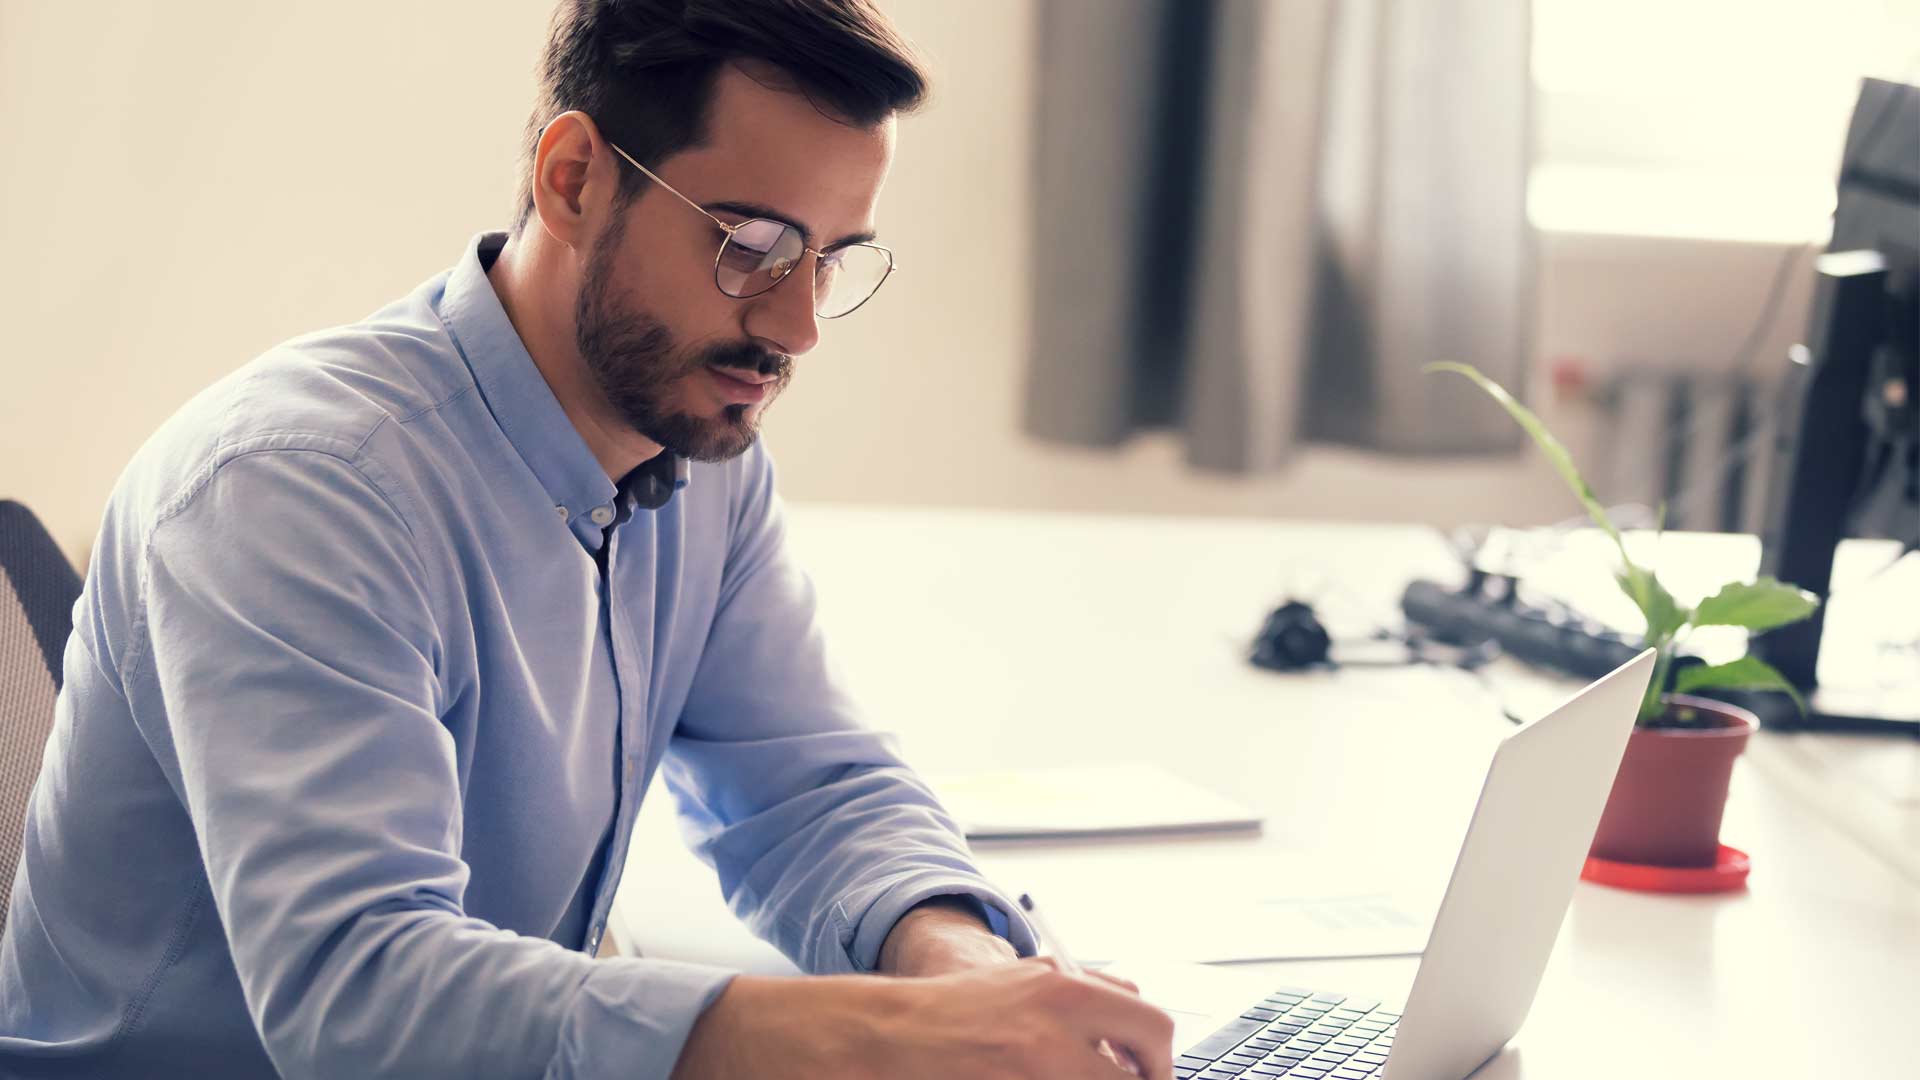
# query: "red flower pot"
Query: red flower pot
1671,789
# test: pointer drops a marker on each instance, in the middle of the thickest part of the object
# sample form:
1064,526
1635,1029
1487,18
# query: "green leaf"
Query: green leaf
1556,454
1759,606
1646,592
1664,614
1746,673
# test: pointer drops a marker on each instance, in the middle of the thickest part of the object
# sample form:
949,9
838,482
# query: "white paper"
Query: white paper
1219,905
1083,800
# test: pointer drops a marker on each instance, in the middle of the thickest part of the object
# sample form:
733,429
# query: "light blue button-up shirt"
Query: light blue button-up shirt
373,667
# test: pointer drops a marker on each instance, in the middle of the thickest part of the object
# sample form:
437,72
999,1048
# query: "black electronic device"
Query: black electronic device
1848,461
1475,615
1292,638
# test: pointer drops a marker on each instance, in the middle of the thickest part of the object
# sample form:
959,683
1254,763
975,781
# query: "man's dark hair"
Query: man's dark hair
644,69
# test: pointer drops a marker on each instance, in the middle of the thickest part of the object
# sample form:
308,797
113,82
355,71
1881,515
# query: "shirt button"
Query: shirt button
600,515
562,511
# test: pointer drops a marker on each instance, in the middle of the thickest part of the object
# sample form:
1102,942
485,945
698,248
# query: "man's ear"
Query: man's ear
574,177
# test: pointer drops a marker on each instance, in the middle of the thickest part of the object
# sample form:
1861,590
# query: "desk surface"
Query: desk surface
988,639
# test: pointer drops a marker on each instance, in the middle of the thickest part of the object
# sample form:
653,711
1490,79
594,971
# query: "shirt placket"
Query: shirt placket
632,669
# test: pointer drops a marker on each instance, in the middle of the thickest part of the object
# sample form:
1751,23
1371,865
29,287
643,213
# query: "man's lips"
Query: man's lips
737,389
752,378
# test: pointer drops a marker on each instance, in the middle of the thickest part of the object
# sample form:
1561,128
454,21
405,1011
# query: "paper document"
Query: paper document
1083,800
1224,929
1219,906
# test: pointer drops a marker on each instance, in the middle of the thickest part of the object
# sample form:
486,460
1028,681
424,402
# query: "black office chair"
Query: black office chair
37,591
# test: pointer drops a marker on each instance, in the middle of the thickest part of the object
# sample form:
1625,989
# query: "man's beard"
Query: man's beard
636,363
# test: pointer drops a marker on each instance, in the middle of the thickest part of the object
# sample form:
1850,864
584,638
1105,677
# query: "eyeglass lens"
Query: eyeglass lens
760,253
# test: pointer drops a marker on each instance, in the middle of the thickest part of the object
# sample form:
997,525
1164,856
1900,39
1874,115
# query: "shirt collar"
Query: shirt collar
653,481
518,396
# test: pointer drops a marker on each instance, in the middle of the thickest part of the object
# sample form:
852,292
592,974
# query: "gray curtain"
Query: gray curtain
1257,219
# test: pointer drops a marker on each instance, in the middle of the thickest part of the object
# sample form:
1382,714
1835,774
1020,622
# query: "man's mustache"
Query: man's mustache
746,356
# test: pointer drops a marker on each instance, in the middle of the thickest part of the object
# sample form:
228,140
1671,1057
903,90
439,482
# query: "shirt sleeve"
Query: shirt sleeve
822,836
291,636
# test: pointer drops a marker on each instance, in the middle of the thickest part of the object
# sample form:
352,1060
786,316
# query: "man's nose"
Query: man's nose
783,315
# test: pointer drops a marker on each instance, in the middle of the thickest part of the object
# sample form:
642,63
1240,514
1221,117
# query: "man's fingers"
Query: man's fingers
1107,1011
1122,1058
1146,1066
1111,1064
1125,984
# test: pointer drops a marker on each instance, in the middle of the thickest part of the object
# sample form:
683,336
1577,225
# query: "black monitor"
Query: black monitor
1848,463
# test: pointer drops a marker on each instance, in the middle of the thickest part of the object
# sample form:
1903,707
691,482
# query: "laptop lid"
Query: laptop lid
1514,878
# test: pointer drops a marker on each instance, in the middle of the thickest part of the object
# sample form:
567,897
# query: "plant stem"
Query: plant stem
1650,707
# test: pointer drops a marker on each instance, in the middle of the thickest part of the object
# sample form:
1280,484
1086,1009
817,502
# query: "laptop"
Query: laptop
1496,926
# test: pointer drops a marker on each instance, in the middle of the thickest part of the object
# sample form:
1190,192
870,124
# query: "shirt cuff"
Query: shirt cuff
870,933
631,1018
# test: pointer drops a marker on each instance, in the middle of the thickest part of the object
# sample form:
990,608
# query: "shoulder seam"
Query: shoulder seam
425,409
203,477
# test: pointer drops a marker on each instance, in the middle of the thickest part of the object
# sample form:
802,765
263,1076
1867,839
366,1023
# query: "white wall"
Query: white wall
186,184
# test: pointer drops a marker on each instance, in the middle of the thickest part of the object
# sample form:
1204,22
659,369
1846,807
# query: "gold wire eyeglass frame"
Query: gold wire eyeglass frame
780,273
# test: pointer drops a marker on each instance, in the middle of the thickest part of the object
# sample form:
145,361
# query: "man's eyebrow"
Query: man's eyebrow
757,210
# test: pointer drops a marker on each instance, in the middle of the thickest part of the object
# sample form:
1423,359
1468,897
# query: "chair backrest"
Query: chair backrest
37,591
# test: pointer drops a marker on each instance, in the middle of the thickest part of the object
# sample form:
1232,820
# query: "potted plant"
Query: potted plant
1671,790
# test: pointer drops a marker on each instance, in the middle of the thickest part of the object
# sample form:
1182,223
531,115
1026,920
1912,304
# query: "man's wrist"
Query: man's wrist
943,934
959,904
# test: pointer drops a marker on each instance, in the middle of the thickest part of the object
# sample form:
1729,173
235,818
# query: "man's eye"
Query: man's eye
743,258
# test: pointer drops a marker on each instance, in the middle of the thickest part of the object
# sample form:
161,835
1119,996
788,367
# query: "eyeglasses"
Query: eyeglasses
759,253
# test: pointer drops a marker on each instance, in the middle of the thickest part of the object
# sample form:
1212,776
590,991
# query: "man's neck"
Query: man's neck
538,303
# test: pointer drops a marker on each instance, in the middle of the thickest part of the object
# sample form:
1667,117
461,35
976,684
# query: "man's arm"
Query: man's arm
1021,1021
292,645
822,837
941,936
831,848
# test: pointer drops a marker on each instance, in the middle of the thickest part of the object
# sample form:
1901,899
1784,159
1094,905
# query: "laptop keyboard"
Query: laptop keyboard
1296,1033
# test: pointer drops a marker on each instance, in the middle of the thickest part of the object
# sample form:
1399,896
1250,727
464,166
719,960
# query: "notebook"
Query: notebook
1128,799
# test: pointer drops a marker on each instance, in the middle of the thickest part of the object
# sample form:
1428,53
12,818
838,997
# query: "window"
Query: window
1715,118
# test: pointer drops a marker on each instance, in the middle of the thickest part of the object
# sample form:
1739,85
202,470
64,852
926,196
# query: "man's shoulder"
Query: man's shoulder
329,392
340,384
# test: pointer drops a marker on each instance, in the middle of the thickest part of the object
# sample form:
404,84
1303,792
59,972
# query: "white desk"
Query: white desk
990,639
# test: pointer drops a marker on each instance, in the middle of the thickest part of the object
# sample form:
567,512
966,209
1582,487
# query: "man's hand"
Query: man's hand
946,935
942,936
1026,1020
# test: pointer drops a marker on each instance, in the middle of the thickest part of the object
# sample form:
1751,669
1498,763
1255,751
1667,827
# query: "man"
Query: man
386,634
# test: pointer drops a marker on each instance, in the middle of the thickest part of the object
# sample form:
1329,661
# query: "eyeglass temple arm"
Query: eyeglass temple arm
649,173
730,229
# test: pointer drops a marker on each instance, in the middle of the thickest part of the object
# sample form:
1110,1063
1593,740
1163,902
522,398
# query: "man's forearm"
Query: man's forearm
823,1025
831,1025
1026,1019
